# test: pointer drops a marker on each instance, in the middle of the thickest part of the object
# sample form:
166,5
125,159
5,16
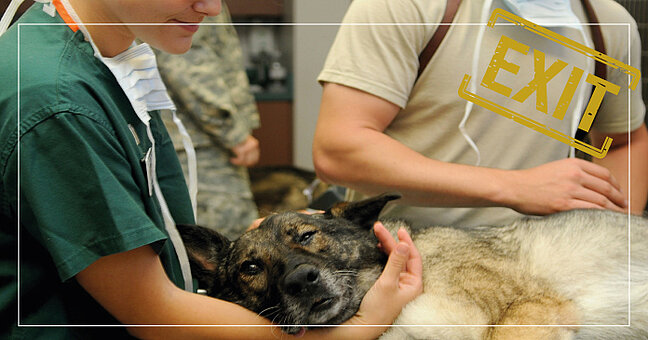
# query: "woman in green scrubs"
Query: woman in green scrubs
82,234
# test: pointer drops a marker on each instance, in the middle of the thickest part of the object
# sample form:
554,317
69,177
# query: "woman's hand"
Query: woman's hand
255,224
246,153
400,282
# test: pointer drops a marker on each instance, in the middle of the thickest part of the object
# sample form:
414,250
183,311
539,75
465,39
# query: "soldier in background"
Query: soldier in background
211,91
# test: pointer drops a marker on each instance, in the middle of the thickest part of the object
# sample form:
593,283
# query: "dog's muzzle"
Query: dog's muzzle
302,281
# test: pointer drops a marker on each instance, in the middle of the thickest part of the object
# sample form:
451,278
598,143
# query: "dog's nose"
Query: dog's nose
301,280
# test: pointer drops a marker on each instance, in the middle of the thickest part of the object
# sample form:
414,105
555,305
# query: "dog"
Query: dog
569,271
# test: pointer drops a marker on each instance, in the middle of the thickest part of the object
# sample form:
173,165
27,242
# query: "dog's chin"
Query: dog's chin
293,330
333,310
325,311
322,311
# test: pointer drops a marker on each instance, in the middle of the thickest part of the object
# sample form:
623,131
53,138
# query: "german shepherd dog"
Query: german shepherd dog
569,271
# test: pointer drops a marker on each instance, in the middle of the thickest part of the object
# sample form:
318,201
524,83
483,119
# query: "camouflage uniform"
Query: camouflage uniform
211,91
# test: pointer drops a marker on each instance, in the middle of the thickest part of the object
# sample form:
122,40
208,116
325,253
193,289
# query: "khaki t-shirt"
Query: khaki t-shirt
381,58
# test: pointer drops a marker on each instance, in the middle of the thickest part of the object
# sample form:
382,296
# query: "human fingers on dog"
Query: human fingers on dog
255,224
396,264
386,241
400,282
590,186
562,185
414,262
591,199
310,211
373,309
600,172
604,193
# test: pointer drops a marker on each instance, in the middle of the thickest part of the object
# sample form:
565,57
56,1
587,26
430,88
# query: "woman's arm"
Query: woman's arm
134,288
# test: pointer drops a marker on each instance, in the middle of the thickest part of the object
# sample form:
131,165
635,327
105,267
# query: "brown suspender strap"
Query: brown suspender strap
452,6
451,9
600,69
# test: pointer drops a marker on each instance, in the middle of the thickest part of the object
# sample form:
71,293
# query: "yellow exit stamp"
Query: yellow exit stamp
541,77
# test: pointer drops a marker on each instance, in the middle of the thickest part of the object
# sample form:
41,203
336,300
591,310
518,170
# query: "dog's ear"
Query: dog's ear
365,212
206,250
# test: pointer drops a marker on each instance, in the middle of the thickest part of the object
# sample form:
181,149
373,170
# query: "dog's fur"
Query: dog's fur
569,269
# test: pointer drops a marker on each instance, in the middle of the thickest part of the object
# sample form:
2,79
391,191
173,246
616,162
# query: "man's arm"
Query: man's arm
634,181
351,149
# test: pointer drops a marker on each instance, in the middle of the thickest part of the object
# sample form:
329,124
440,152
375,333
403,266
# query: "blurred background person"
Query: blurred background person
211,91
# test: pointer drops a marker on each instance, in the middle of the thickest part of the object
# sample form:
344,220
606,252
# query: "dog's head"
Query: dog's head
295,269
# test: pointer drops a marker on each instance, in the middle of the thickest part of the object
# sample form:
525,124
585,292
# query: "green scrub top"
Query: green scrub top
74,186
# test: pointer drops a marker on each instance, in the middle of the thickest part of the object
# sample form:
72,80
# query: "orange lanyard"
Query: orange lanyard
65,15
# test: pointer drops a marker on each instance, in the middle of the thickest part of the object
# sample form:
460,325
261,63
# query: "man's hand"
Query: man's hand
246,153
563,185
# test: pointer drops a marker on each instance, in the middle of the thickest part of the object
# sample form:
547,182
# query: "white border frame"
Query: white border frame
321,24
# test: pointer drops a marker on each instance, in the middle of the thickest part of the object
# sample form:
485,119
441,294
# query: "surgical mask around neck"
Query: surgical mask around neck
137,74
555,13
547,13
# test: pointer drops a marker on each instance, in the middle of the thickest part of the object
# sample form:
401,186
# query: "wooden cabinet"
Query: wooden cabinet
275,134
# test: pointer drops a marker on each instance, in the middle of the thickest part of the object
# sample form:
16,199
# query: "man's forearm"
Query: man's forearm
371,162
351,149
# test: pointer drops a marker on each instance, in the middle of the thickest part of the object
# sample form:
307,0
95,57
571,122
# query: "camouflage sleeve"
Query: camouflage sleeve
209,85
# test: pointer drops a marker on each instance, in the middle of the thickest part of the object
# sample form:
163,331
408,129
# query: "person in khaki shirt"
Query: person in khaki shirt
380,129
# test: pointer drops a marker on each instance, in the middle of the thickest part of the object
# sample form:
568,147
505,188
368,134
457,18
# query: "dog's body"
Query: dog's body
570,269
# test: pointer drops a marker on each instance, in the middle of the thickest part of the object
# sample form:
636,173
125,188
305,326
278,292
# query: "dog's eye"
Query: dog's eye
306,237
251,268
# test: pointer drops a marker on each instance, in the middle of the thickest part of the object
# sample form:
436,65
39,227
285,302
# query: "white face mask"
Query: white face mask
137,74
547,13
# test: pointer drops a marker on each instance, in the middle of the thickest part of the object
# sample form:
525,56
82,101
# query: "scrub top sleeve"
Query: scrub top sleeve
78,193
